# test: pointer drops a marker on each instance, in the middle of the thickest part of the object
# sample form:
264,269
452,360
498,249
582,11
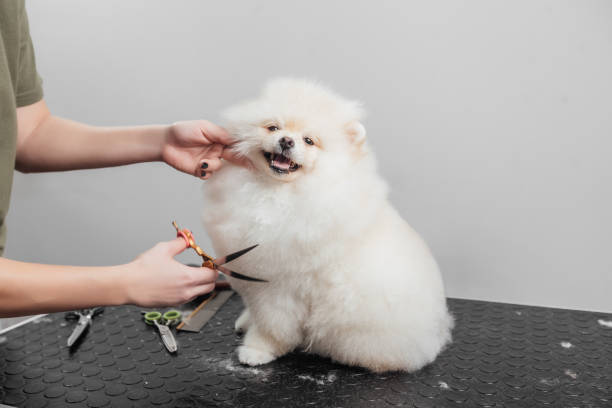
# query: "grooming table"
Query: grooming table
502,356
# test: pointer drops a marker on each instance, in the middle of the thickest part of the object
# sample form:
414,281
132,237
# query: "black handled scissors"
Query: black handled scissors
85,317
211,263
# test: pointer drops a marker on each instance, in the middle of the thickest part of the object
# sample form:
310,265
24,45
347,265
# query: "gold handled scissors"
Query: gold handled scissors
211,263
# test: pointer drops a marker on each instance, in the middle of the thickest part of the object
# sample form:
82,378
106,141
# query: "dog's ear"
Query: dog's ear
356,132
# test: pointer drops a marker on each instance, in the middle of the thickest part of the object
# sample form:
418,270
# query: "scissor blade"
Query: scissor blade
167,337
228,258
78,330
237,275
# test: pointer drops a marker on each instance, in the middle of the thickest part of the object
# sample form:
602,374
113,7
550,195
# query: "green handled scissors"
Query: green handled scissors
163,322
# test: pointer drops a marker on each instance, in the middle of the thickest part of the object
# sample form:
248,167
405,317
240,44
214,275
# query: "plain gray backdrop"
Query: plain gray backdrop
492,122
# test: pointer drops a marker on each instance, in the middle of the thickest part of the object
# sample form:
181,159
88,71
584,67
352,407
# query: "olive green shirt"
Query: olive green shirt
20,85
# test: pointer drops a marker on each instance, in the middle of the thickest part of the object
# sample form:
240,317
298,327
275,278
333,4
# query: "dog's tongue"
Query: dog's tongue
281,162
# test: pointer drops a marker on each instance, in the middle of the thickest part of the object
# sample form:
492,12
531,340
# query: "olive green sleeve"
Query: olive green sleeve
29,84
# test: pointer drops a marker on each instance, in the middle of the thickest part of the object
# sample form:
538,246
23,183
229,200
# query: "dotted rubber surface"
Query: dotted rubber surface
502,356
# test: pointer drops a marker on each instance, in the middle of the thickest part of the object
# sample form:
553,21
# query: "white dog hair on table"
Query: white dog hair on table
347,276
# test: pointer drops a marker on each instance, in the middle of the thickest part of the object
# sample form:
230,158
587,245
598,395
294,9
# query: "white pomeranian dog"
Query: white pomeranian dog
347,276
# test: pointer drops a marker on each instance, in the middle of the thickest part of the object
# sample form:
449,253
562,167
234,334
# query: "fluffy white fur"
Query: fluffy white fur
348,277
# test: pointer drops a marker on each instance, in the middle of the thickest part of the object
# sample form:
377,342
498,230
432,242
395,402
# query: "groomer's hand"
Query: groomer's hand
155,278
197,147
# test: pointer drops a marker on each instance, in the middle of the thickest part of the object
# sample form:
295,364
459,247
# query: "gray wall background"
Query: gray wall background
492,122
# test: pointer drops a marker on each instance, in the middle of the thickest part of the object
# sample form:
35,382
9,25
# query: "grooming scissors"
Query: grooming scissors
84,321
163,322
211,263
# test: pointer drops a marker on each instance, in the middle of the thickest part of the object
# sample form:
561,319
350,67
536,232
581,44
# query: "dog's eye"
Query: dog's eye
308,141
272,128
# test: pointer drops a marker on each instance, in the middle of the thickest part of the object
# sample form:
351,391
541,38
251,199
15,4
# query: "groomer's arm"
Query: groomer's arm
50,143
152,279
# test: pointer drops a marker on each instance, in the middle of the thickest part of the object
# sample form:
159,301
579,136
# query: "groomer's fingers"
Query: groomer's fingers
213,164
201,290
174,247
205,175
215,133
204,276
231,155
215,150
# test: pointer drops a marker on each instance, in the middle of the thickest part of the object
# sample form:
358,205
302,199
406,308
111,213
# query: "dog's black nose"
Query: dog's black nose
286,142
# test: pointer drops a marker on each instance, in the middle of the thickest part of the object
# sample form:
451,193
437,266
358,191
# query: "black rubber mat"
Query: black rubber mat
502,356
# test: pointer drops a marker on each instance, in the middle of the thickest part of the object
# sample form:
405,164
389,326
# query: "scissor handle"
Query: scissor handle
185,234
75,315
96,311
172,317
190,242
151,317
72,315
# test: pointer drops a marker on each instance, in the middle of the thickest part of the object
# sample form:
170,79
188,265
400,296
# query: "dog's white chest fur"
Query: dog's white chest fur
348,278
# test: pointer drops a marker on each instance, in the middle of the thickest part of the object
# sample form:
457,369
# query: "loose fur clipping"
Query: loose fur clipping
348,278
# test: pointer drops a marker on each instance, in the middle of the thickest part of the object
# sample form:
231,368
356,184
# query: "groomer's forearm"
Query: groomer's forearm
27,288
58,144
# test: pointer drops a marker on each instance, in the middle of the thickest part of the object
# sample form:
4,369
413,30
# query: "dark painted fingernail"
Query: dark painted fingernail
203,174
204,165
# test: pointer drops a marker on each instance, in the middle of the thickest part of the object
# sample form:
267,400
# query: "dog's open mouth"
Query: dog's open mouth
281,163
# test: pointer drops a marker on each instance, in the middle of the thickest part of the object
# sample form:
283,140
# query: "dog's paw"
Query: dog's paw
253,357
242,323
